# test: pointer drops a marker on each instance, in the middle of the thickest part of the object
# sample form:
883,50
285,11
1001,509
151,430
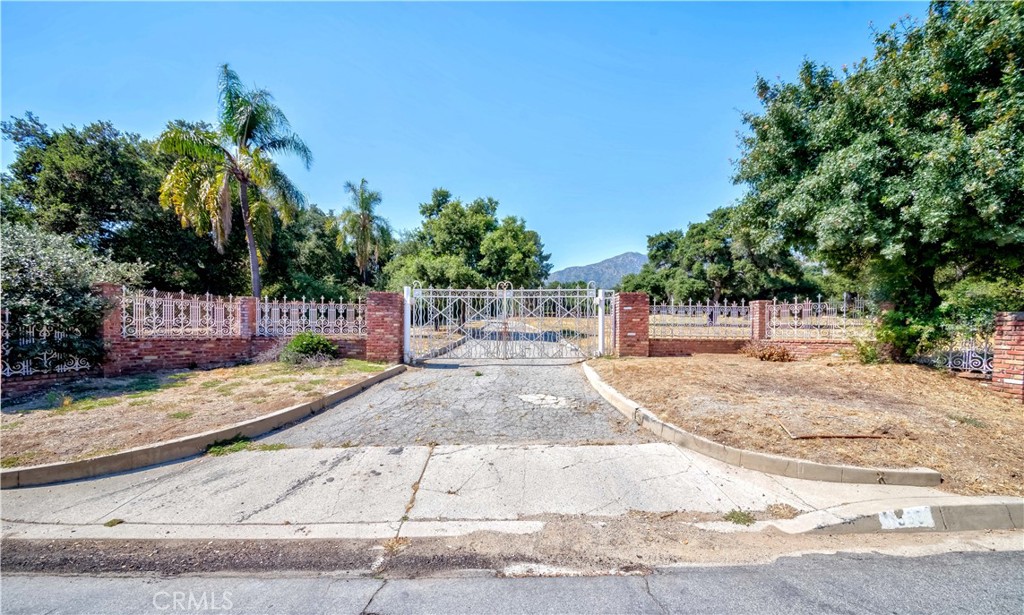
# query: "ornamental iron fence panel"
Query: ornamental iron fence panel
965,347
820,320
177,315
30,350
286,318
507,323
700,320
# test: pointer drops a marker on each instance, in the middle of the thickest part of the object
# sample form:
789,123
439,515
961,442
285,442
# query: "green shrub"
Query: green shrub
868,352
308,346
46,284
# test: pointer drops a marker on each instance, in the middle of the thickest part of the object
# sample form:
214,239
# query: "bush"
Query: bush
46,284
868,353
763,351
308,347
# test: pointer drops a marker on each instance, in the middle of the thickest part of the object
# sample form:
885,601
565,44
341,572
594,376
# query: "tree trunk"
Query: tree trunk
250,238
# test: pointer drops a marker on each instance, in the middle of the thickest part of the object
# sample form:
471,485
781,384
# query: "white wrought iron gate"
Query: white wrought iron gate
506,323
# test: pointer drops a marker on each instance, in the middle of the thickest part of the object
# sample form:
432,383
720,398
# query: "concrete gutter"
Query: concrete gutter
952,513
763,462
180,448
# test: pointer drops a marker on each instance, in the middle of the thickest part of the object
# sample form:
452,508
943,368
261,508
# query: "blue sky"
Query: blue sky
599,123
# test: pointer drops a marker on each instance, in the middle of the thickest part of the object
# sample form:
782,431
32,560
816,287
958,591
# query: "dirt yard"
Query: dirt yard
98,416
925,417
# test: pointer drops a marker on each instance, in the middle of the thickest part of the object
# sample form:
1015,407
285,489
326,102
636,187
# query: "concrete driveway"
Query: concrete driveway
471,402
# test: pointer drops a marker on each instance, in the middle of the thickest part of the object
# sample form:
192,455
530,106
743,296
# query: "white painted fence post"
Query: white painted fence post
600,322
407,329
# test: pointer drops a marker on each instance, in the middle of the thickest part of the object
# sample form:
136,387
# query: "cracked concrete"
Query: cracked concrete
471,402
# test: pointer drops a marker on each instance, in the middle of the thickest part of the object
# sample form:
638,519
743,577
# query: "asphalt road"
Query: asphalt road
813,584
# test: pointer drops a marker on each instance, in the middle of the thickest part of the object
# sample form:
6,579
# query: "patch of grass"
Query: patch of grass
180,415
113,522
239,444
143,383
209,384
140,402
11,425
179,377
304,386
317,381
280,380
966,420
478,373
358,365
139,395
277,446
739,517
14,461
226,447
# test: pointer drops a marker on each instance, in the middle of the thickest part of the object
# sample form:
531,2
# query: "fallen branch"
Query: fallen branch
833,435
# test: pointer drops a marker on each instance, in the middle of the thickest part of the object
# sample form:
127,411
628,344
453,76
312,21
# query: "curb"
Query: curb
922,514
763,462
179,448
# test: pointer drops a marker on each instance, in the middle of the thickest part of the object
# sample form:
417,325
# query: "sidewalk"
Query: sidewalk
419,491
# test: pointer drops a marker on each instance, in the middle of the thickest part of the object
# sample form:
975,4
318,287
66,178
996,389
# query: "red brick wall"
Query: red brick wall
675,347
384,321
16,386
633,316
1008,362
138,355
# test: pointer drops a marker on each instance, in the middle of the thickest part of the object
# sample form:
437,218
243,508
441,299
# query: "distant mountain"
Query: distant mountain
606,274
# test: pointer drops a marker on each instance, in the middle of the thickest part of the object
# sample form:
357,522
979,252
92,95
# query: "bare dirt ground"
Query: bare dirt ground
99,416
929,417
567,546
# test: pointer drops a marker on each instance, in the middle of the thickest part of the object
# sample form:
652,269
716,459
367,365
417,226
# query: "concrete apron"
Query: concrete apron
381,492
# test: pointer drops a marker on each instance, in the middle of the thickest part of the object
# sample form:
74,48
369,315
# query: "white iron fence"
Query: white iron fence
965,347
177,315
33,350
285,318
819,320
700,320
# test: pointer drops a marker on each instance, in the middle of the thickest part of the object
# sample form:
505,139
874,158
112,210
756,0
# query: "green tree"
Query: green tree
367,235
236,157
514,254
78,182
305,260
714,260
464,245
906,171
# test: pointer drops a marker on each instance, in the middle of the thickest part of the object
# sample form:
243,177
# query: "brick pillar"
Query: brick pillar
1008,359
110,328
248,318
759,319
633,315
384,327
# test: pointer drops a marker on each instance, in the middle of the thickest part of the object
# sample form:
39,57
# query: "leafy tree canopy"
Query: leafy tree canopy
464,245
905,171
715,260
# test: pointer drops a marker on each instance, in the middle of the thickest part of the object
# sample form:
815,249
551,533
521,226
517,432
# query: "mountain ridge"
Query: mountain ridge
606,274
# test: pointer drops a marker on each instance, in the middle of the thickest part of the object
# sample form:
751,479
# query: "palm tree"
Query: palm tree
362,230
212,164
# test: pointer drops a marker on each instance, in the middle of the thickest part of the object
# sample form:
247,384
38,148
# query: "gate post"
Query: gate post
600,322
407,325
384,327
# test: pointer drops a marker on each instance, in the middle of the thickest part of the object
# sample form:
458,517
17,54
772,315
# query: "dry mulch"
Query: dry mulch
935,419
100,416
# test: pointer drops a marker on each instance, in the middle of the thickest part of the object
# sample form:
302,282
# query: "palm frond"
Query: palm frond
194,143
231,97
